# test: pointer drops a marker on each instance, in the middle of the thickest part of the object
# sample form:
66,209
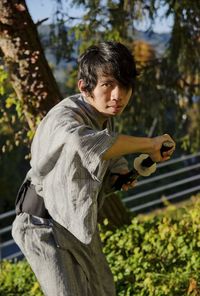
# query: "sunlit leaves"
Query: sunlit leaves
13,126
156,255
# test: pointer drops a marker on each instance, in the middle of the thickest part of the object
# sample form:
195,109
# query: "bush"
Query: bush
18,279
155,255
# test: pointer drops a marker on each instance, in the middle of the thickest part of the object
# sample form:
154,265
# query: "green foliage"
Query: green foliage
14,129
14,135
155,255
18,279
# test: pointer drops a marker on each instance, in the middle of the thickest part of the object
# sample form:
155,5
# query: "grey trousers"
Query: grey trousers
62,264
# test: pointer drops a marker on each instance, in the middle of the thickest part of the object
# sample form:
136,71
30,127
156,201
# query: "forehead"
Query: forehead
105,77
105,70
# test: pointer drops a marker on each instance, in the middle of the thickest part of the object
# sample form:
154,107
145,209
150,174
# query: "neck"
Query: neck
101,117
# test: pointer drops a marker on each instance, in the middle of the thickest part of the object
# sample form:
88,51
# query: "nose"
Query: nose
116,94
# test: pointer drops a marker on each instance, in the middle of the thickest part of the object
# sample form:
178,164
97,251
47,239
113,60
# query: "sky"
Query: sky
41,9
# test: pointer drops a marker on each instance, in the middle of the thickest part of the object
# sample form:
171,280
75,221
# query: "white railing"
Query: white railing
8,248
180,175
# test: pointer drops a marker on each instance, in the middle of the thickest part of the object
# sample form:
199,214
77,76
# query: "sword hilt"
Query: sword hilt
145,164
148,162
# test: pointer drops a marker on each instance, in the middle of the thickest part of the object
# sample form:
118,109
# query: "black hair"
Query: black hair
107,58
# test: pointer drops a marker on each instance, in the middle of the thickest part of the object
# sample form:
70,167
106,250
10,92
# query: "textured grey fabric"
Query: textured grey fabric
68,172
62,264
66,164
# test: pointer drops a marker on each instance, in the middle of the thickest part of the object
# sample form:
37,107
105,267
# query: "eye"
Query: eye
106,84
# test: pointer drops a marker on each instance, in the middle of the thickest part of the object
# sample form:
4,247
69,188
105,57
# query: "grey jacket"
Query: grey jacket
67,167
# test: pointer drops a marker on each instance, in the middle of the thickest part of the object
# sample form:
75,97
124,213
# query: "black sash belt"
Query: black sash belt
28,201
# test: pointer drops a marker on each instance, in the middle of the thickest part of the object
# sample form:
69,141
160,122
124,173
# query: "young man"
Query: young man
74,152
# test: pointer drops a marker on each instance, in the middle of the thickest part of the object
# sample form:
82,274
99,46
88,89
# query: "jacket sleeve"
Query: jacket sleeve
117,166
67,127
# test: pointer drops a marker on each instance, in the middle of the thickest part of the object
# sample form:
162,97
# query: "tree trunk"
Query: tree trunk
114,210
32,78
30,74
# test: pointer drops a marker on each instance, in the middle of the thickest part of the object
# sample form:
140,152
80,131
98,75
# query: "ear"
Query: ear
84,92
81,87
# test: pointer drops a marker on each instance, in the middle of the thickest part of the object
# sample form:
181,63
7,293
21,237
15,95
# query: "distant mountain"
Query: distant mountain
158,41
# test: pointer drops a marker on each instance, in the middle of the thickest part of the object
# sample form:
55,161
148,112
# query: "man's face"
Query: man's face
109,97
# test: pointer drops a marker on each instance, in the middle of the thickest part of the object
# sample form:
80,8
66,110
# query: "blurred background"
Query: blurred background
164,37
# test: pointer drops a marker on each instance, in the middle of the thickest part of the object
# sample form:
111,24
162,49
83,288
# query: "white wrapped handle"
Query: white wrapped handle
143,171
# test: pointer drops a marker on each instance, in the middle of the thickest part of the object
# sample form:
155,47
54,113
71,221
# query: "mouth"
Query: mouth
116,108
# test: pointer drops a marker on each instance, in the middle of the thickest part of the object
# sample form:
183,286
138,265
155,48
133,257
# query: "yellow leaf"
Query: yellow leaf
192,286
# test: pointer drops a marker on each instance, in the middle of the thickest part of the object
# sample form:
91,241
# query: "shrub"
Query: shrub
156,255
18,279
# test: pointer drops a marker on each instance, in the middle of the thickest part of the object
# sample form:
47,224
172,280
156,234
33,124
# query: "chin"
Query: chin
116,113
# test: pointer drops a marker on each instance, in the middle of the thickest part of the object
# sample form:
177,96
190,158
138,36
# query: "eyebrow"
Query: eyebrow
105,79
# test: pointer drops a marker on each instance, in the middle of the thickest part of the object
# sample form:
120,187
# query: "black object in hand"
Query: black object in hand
133,174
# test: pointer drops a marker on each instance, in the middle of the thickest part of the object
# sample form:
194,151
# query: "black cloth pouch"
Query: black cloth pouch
28,201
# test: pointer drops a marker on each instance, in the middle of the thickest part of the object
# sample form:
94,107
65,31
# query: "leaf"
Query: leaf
192,286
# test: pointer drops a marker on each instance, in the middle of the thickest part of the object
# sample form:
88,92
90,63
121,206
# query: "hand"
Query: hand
129,185
157,143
